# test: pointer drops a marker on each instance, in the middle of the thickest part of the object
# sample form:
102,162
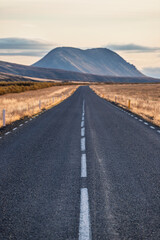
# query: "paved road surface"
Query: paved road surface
82,170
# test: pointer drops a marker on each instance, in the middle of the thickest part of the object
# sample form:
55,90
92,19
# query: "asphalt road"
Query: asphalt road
81,170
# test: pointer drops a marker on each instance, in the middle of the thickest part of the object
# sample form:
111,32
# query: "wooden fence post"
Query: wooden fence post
39,104
4,117
129,104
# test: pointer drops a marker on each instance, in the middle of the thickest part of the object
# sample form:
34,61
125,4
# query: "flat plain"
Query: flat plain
20,105
144,98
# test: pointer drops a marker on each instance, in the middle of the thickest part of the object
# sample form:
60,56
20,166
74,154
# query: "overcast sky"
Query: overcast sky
30,28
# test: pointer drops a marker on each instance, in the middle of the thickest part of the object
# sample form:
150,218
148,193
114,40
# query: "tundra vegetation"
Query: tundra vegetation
144,98
27,99
22,86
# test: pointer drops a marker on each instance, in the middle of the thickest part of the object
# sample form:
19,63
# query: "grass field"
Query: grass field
28,103
145,98
22,86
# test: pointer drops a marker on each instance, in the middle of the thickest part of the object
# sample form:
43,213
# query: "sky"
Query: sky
31,28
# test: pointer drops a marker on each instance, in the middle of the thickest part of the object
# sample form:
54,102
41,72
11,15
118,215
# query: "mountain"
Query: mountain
8,77
62,75
99,61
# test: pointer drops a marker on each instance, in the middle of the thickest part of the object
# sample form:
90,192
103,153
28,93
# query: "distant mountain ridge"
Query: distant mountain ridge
61,75
99,61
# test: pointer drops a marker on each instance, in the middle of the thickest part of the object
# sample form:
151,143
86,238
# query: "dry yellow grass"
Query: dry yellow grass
145,98
22,86
19,105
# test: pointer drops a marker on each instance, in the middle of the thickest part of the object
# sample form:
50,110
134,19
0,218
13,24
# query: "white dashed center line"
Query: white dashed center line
84,227
82,124
83,165
82,132
84,223
83,144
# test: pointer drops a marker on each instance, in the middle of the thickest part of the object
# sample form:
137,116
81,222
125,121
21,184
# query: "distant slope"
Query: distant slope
14,78
99,61
55,74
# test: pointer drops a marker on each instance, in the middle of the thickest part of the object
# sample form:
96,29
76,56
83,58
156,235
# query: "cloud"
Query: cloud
23,53
132,48
153,72
22,43
23,47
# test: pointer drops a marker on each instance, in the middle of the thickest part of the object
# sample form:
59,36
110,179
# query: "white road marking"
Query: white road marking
84,225
140,120
152,127
135,118
158,131
14,128
21,125
26,121
82,132
30,119
83,165
82,124
145,123
7,133
83,144
131,115
83,105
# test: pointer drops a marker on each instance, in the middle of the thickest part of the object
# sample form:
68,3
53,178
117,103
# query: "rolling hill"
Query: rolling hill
99,61
62,75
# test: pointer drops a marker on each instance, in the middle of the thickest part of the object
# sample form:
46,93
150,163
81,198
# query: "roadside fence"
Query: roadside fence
16,111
